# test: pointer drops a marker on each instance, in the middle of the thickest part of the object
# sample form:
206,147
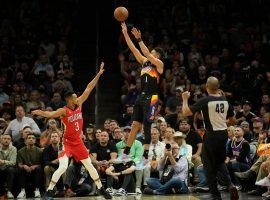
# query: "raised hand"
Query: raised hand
101,69
185,95
137,33
124,27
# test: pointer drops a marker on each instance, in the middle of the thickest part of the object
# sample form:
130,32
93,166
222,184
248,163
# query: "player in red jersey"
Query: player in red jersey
71,118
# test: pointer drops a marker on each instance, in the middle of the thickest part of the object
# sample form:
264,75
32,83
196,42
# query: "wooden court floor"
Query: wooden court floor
205,196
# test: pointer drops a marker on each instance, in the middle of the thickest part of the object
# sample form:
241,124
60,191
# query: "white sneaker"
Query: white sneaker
138,191
10,195
265,194
37,193
22,194
110,190
121,192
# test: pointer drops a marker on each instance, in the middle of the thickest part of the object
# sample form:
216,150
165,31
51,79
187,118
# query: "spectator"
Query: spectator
266,102
34,102
162,128
172,104
156,151
247,132
238,155
174,174
113,125
118,134
29,163
20,143
168,135
8,156
185,149
15,126
65,84
51,127
126,117
3,96
78,182
107,125
245,114
103,153
193,139
136,152
56,101
50,159
3,125
122,173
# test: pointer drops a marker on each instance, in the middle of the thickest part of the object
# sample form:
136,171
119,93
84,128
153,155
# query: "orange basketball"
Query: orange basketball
121,14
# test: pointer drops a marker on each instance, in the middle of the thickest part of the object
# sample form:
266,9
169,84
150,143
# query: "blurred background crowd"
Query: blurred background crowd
223,38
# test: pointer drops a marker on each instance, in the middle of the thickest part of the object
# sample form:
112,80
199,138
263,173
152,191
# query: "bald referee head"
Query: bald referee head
212,85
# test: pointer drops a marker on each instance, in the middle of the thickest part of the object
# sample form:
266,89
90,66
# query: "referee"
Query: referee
217,113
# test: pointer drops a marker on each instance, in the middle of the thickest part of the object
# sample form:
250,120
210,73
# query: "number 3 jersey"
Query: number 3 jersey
72,126
215,111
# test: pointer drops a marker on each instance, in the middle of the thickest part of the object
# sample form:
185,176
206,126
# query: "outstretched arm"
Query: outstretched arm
139,57
91,85
50,114
185,108
157,62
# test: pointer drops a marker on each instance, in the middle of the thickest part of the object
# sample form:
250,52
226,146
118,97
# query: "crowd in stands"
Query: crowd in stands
200,38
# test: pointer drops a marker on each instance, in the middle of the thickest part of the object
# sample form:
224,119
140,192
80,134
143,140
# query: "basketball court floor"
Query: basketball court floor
206,196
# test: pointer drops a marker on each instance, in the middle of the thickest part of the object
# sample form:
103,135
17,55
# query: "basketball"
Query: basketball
121,14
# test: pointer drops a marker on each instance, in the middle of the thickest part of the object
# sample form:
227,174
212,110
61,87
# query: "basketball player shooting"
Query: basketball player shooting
71,119
147,102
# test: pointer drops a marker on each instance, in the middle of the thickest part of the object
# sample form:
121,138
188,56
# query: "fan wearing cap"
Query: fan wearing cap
185,149
245,114
247,132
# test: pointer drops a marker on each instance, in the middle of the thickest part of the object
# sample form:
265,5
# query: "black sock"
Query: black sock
127,150
145,154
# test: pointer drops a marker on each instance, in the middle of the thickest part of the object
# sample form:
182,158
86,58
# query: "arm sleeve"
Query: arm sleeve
19,157
199,105
113,148
8,129
244,153
181,165
229,150
198,138
94,149
46,158
230,112
189,152
34,127
13,158
138,152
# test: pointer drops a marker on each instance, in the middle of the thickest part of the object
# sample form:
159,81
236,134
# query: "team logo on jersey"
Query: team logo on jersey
75,117
150,71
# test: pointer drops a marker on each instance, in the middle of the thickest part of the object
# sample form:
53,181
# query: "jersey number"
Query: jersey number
77,127
220,108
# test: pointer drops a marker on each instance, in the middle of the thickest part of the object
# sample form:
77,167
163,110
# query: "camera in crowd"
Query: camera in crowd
168,146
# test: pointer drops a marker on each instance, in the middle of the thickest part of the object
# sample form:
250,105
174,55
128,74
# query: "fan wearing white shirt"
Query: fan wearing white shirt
16,126
156,151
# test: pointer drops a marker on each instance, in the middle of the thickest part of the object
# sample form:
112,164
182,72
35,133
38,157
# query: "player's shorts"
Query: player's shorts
145,108
78,151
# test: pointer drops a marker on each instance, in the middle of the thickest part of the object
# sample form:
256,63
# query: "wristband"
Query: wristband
139,40
120,173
